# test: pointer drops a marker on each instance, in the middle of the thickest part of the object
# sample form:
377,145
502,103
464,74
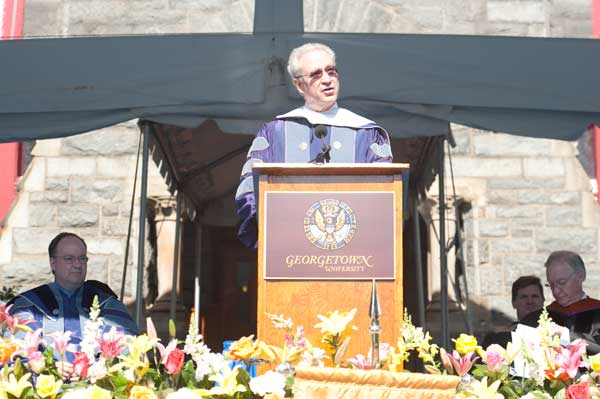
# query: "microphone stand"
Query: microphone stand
324,156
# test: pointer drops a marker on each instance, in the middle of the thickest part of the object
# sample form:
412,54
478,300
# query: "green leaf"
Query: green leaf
508,392
561,394
119,381
18,368
172,330
188,374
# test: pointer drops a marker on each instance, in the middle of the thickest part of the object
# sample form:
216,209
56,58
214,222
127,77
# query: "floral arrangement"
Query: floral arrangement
109,364
534,366
113,365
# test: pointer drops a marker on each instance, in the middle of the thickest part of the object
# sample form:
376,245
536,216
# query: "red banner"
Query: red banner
12,19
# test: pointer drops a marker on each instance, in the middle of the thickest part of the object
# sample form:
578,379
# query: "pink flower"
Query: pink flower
289,339
13,322
494,360
568,360
578,391
97,371
174,361
110,344
4,312
61,342
384,349
165,351
81,363
445,357
460,364
579,346
37,363
30,343
365,363
360,362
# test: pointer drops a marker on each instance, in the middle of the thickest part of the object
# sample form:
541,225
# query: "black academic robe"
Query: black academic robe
582,318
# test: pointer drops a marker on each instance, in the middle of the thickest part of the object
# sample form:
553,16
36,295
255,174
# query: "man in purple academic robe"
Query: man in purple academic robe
348,137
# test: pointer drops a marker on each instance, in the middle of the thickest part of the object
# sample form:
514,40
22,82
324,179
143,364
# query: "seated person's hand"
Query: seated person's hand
66,372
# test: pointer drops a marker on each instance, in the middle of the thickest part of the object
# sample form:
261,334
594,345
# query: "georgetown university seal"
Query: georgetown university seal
329,224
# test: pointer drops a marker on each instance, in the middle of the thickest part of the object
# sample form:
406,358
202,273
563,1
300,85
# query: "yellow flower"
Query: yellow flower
243,349
466,344
336,322
227,384
7,348
285,354
46,386
201,392
95,392
396,358
139,345
511,352
14,387
595,362
267,351
140,392
134,367
481,390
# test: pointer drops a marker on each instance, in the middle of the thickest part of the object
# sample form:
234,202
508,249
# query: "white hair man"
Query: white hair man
572,307
319,131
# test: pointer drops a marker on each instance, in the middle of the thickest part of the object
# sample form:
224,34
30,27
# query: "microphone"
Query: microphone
321,133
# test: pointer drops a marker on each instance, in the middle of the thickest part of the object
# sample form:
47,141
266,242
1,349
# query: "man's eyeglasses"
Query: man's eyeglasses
70,259
559,283
318,74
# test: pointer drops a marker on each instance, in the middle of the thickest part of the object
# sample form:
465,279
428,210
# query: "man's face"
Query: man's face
319,84
528,299
69,263
566,284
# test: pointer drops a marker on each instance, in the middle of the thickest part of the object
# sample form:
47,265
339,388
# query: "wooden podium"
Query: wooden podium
325,231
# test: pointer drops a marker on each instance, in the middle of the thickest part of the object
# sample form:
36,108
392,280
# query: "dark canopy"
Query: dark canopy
411,84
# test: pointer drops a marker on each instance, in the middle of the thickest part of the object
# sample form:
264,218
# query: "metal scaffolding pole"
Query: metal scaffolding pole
419,264
139,290
443,257
176,258
197,272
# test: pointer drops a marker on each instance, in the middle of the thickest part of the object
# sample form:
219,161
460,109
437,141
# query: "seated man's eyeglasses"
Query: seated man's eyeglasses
318,74
559,283
70,259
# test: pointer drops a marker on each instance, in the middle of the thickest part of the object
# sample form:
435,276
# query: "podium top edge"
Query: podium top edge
331,168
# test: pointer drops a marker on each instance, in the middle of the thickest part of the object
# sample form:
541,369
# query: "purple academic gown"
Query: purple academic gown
293,141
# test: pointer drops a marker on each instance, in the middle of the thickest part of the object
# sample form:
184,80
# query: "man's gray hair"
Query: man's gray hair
294,60
570,258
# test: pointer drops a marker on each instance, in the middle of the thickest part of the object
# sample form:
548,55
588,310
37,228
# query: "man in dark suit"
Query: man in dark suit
527,298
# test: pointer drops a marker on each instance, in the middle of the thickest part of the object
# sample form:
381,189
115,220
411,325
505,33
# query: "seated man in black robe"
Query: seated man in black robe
572,307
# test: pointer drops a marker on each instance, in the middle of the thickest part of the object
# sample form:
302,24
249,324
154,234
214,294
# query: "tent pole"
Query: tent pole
142,229
130,223
419,263
176,257
197,282
443,257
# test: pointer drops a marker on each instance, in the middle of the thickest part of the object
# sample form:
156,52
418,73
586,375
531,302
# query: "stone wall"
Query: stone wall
81,184
528,196
550,18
